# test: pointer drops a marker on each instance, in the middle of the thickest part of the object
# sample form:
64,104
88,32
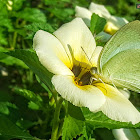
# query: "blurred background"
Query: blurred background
19,20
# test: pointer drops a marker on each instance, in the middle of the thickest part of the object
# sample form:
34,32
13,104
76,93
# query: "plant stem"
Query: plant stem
55,127
14,40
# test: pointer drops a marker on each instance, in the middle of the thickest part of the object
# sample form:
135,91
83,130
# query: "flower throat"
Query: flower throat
83,75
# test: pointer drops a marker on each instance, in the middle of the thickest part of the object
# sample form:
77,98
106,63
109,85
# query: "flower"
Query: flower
113,22
9,5
70,54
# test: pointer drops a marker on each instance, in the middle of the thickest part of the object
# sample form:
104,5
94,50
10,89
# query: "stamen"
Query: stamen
86,55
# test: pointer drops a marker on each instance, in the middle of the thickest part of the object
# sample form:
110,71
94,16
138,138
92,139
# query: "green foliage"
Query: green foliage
9,130
34,16
4,107
31,60
71,128
79,122
29,95
99,120
34,27
97,24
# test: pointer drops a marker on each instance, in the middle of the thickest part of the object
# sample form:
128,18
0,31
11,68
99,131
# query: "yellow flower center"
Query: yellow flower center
110,28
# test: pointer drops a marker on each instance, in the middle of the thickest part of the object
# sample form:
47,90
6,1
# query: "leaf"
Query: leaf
62,13
8,60
31,14
29,95
17,4
31,60
4,107
3,40
33,106
5,22
71,128
34,27
73,123
9,129
104,134
75,112
97,24
99,120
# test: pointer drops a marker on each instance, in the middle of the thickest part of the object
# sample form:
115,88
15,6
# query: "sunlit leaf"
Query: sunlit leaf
97,24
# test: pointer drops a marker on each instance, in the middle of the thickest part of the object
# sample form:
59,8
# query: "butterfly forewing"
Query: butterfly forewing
119,62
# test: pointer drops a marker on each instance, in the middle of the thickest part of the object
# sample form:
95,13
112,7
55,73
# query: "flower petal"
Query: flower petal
114,23
125,92
51,53
117,106
99,10
83,13
118,21
83,96
95,56
77,36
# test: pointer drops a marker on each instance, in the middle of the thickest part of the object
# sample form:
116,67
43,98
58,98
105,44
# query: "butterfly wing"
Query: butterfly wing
119,61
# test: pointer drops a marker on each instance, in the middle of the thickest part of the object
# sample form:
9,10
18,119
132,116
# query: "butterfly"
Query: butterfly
119,60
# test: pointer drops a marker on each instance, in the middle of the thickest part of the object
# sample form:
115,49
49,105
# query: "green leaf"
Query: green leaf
32,15
75,112
34,27
33,106
104,134
28,95
10,61
3,40
5,22
62,14
10,130
71,128
4,107
17,4
31,60
97,24
99,120
73,123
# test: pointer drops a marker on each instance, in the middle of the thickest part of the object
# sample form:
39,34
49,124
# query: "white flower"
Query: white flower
69,54
113,22
9,5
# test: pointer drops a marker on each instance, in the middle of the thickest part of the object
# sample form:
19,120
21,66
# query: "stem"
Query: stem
55,127
14,40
